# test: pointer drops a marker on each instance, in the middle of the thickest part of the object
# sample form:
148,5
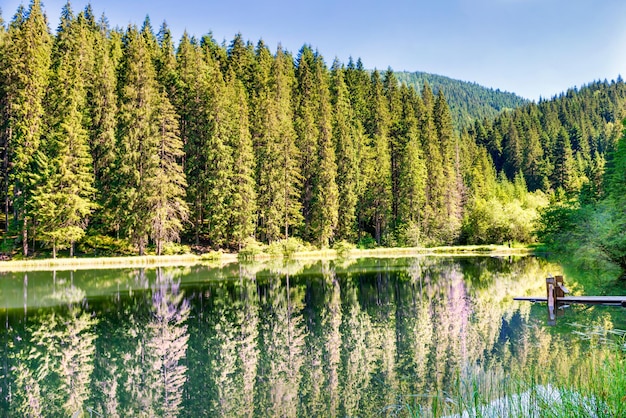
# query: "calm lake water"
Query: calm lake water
296,339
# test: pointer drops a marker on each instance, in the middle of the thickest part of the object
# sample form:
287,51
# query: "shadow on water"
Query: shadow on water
371,337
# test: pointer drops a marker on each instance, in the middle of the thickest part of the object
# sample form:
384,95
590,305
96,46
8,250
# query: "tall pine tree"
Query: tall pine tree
345,135
412,173
147,147
65,197
379,196
102,109
243,199
325,204
280,178
25,70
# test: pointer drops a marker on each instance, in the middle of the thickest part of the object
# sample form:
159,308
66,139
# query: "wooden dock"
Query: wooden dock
555,298
592,300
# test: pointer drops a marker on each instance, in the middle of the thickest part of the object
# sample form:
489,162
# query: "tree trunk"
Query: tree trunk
54,249
25,237
6,180
72,249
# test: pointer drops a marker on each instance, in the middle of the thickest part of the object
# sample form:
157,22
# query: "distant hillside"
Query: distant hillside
467,101
564,142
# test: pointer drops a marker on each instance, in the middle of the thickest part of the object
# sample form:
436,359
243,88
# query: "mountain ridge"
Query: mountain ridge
468,101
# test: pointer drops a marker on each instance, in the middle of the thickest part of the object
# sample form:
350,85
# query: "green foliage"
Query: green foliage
280,179
508,215
366,242
174,248
410,234
250,249
346,135
343,248
212,256
592,228
557,143
25,71
287,247
103,245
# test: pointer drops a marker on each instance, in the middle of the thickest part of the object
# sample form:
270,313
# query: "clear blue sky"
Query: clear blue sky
530,47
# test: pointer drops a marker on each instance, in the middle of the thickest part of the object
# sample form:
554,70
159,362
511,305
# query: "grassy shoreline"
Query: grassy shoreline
80,263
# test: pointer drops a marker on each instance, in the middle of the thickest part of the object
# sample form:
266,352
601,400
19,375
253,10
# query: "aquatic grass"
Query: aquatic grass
598,389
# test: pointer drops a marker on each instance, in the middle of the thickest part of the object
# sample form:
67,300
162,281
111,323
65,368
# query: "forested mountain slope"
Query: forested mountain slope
467,101
562,143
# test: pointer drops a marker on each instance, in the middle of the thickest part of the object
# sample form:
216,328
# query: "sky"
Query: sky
534,48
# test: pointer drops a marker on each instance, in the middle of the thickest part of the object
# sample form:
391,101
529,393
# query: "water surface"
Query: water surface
360,338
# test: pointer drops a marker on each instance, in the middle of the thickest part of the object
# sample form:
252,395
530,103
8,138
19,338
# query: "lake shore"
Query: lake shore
222,258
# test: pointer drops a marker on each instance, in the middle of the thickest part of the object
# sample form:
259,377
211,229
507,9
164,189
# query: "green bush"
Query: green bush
251,248
211,256
343,248
7,246
366,242
173,248
286,247
103,245
409,235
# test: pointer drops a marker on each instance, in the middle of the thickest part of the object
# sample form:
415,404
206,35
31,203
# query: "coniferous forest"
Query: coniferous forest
467,101
115,135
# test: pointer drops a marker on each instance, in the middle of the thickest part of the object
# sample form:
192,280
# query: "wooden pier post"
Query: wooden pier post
560,289
551,297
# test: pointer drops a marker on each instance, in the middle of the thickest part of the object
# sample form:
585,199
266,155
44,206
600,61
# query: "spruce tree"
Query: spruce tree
102,109
346,150
25,70
260,94
193,103
512,147
146,124
279,173
241,61
358,83
452,181
283,82
396,139
412,167
167,207
434,219
64,199
242,203
325,204
379,185
306,99
166,62
219,168
532,159
563,175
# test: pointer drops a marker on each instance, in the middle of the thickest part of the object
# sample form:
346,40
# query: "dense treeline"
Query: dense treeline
591,224
467,101
121,134
558,144
572,145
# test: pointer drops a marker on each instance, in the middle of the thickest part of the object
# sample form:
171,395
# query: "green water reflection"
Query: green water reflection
315,339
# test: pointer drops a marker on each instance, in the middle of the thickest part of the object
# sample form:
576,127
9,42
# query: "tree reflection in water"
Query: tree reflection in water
283,339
